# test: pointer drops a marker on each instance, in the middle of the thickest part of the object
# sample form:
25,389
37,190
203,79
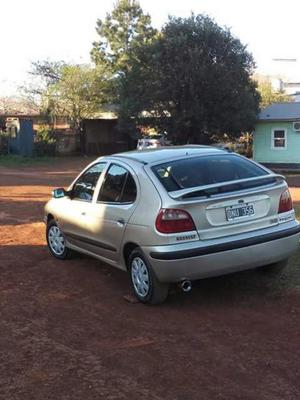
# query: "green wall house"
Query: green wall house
276,139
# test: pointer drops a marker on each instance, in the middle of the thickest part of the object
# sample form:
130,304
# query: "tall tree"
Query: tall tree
124,29
44,74
48,71
194,81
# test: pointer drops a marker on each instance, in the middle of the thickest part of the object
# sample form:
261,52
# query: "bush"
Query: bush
45,142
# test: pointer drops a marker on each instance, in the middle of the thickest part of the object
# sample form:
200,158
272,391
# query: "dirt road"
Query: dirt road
68,334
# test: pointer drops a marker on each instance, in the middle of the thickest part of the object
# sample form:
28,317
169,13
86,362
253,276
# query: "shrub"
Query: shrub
45,142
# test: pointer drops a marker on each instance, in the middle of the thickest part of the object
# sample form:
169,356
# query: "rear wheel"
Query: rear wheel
275,268
145,285
56,241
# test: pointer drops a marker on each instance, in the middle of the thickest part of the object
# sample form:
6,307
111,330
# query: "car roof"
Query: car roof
148,156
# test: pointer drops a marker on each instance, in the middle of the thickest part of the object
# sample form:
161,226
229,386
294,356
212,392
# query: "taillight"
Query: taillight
171,220
286,202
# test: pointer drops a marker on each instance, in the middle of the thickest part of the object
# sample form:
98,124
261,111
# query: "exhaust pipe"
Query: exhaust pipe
186,286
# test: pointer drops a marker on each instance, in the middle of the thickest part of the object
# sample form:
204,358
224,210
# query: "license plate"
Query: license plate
243,210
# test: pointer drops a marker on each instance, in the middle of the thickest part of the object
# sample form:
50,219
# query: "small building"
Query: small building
276,138
101,136
20,140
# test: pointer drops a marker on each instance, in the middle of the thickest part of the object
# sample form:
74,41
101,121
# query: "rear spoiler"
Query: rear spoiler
178,194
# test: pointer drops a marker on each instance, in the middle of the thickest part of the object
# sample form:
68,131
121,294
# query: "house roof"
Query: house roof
17,107
281,112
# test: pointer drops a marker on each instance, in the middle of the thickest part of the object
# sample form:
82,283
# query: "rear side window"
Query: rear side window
129,192
118,186
85,185
205,170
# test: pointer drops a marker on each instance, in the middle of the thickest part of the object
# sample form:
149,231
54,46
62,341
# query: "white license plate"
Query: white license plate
243,210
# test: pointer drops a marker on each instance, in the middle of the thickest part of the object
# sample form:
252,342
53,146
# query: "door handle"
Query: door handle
121,222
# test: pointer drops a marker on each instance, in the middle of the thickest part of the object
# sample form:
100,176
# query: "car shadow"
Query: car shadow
238,288
241,287
98,280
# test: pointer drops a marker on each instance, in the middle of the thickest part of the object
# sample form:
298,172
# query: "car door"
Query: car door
109,214
78,204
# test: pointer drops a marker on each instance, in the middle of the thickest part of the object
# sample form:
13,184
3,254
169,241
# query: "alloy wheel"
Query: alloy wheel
56,240
140,277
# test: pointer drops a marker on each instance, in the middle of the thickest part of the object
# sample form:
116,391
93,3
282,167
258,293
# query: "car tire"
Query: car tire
56,241
275,268
145,285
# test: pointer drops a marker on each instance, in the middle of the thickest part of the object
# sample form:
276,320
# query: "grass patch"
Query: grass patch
13,160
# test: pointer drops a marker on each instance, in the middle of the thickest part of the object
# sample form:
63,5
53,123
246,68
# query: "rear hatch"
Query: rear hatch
225,194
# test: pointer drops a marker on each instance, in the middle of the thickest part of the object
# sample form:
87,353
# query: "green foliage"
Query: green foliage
69,90
44,134
122,31
50,71
192,81
45,142
79,93
44,73
269,95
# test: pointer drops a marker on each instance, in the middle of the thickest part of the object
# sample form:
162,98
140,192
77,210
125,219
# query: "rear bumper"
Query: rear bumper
172,263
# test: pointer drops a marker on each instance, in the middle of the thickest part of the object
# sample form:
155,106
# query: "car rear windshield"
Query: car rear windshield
207,170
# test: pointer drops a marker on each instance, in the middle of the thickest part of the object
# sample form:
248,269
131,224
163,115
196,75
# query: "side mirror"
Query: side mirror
59,193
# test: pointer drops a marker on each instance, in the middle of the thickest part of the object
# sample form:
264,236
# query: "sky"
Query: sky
65,29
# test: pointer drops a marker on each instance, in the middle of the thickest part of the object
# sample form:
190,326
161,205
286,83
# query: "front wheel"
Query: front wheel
56,241
145,285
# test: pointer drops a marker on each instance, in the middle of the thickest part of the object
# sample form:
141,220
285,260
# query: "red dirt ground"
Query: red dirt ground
68,334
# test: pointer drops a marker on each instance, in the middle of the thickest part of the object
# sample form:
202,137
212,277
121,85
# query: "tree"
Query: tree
194,81
125,29
48,71
73,91
268,95
78,94
69,90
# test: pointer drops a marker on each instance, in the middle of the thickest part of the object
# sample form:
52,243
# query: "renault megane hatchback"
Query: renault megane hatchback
174,214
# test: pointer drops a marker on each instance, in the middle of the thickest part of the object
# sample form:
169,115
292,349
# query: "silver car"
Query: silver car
174,214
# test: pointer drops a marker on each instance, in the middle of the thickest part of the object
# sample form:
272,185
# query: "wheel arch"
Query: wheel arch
50,217
127,249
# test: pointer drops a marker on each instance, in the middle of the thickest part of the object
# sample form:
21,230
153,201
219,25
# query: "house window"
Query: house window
279,139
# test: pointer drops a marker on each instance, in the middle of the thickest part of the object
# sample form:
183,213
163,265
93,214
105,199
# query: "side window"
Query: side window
85,185
118,186
129,192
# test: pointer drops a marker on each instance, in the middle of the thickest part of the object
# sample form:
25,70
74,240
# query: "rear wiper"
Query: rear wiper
199,193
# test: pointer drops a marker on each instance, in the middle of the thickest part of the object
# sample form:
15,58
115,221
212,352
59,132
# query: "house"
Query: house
99,134
276,138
